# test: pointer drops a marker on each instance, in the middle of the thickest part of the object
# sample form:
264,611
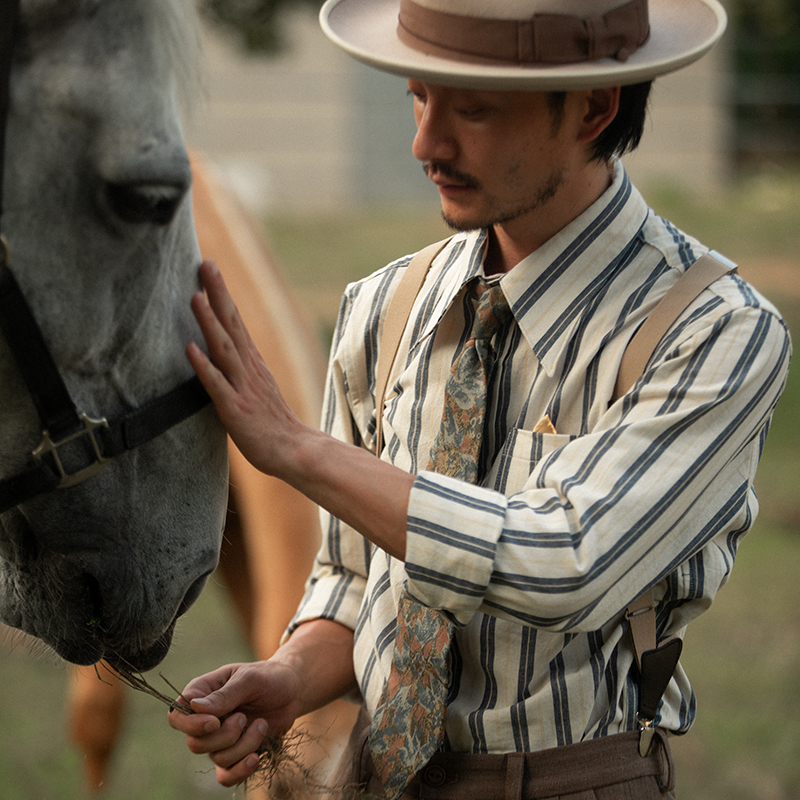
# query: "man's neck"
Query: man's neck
511,242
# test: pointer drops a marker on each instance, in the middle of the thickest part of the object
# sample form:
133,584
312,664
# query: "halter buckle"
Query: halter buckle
48,447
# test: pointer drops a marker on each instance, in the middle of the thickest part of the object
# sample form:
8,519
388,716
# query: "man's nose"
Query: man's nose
435,139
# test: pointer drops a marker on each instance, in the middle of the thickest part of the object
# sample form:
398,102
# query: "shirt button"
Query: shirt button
434,775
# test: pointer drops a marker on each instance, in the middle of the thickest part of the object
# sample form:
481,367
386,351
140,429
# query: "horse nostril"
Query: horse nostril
146,202
95,601
195,590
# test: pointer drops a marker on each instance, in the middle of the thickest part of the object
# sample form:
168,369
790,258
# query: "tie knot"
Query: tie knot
491,312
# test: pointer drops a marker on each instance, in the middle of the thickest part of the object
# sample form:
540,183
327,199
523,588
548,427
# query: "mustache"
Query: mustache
441,169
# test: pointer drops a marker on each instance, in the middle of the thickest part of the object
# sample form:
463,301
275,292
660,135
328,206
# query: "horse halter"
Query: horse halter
62,423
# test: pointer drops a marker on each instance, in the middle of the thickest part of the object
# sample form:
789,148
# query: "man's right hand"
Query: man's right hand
236,707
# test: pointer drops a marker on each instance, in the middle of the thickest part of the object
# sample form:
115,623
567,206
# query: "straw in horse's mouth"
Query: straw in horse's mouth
137,681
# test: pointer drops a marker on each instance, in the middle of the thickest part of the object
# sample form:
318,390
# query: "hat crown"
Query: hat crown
520,9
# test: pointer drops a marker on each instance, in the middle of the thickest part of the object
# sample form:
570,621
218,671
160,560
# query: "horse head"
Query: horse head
99,225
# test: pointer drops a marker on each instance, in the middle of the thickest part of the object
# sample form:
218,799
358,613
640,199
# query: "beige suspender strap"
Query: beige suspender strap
397,315
657,663
699,276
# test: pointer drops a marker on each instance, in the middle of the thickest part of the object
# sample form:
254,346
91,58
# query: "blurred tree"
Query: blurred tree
255,23
766,62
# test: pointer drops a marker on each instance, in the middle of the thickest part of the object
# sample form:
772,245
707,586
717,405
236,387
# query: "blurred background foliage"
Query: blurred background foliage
765,92
255,23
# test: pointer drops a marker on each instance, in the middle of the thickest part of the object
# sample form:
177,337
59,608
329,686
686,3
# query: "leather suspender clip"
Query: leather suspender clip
656,664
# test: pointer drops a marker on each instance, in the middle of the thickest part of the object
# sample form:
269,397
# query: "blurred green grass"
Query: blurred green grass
743,656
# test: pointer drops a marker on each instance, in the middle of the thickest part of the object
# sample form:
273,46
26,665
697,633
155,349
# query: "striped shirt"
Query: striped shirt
537,564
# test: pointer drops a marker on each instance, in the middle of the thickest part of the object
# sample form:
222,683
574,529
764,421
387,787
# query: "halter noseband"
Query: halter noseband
62,424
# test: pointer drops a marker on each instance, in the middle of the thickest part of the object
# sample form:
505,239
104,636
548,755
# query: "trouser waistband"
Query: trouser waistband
605,762
611,766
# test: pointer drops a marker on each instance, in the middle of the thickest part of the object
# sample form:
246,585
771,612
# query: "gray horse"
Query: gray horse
102,247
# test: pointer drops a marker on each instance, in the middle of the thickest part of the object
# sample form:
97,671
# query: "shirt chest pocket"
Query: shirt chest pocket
521,452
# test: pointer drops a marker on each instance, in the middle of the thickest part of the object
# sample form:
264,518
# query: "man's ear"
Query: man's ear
600,108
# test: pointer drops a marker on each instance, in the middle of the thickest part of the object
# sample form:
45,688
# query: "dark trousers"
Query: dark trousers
608,768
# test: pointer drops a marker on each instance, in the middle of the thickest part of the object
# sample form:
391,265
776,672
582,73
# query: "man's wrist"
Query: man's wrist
320,653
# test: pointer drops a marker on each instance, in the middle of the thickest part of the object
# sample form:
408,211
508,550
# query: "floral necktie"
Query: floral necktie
408,725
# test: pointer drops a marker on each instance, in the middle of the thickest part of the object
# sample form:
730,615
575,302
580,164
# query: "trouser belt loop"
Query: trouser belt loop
515,776
666,780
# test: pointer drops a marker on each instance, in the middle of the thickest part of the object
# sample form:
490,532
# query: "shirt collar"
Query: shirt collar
460,261
547,290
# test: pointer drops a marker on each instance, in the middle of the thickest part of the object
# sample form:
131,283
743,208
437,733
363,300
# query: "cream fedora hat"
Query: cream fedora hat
525,44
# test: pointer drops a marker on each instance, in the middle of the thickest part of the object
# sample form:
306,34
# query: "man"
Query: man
478,583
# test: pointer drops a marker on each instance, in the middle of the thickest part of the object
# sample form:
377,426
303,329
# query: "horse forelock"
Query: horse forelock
172,26
175,27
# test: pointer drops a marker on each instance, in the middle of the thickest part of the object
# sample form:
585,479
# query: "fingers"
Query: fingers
221,348
225,724
238,761
239,772
224,314
235,707
195,725
232,740
231,744
233,359
222,691
210,699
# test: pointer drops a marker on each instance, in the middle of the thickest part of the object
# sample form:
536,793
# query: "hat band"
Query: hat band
541,39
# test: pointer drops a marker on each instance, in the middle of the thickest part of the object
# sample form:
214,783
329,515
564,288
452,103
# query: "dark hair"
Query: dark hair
624,132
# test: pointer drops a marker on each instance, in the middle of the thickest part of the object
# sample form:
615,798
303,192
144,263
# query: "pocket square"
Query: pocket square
544,425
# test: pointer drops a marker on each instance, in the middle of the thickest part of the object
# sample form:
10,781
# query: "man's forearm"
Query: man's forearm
321,653
364,492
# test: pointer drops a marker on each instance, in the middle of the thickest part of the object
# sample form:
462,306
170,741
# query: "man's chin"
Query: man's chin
461,225
472,222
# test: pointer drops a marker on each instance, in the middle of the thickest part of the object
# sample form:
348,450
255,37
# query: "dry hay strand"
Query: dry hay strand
280,767
282,771
135,680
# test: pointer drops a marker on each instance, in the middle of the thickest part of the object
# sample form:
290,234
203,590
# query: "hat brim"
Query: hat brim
681,31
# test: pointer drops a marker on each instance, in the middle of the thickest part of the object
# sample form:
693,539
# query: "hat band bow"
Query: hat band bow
541,39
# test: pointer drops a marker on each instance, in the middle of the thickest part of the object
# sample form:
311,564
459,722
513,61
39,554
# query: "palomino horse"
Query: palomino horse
104,254
272,532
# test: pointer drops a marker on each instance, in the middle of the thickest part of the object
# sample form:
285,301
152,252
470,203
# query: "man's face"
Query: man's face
496,156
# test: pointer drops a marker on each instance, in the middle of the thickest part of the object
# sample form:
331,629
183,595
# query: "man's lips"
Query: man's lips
452,189
450,180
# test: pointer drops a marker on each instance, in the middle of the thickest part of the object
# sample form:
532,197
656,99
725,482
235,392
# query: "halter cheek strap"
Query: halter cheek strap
9,12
